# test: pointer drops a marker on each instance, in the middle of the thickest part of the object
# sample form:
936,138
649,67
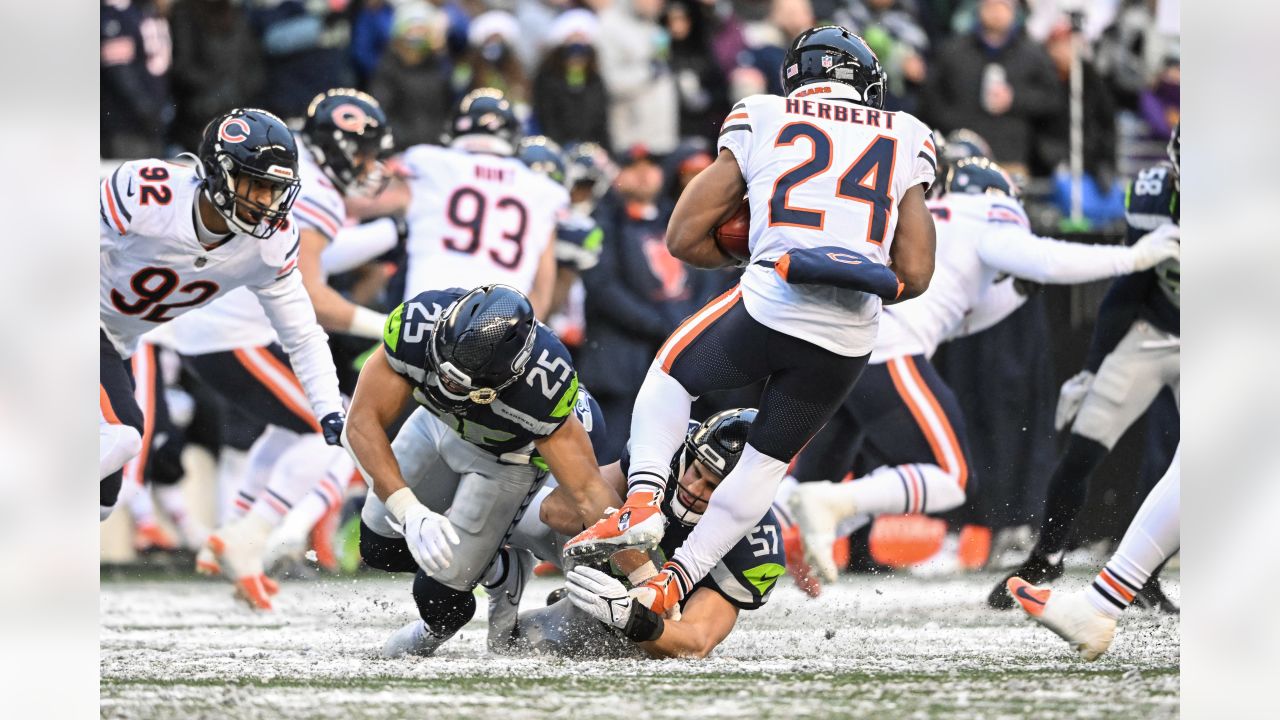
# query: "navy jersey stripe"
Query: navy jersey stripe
739,126
932,164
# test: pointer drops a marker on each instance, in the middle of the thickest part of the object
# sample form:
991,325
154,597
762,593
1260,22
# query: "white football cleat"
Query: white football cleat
239,548
1069,615
412,639
817,522
504,600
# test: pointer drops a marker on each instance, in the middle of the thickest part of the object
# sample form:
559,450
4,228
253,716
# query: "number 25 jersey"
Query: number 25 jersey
476,219
822,172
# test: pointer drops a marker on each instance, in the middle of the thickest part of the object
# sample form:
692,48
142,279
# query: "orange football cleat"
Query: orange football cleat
639,524
322,534
150,537
800,570
546,569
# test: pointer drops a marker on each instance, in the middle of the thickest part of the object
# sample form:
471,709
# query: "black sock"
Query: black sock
1068,489
444,609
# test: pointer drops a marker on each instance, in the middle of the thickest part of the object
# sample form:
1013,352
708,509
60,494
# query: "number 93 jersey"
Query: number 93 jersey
476,219
822,172
532,407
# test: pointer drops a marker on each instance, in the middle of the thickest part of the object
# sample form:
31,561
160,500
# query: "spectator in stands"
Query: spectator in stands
995,81
1159,103
1099,115
491,61
699,81
412,82
536,18
636,295
217,64
635,65
135,60
570,103
896,37
305,45
370,35
767,43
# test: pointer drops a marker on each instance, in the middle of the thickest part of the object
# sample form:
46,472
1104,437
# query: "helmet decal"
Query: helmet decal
352,118
233,130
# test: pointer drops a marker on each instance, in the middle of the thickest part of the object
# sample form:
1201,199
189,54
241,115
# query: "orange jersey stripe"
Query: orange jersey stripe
702,320
962,469
144,378
111,205
1115,584
737,116
104,403
250,362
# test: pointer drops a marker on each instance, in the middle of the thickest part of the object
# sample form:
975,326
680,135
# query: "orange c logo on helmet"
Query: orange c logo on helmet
233,130
351,118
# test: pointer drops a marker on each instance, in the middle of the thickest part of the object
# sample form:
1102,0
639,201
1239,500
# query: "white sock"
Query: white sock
737,505
1152,537
659,422
232,466
849,525
294,474
263,457
141,507
116,445
904,489
174,503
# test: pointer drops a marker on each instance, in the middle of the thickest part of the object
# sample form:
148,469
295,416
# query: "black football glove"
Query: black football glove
331,425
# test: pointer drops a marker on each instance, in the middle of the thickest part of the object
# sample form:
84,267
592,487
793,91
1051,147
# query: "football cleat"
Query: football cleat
1069,615
151,538
800,571
504,600
638,525
207,560
239,548
322,535
817,524
412,639
1036,569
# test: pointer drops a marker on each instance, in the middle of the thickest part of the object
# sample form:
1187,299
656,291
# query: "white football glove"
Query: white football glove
428,535
1071,398
1155,247
601,595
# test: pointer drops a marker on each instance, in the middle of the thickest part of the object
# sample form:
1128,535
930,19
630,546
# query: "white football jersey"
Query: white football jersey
822,171
153,269
960,276
237,320
476,219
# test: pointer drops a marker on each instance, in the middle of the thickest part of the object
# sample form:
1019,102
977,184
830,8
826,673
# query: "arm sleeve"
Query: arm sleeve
357,245
1015,250
288,307
1119,309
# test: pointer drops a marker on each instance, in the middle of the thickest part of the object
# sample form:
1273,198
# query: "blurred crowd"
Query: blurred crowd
651,72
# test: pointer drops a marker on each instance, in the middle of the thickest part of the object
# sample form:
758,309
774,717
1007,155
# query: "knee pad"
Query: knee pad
384,553
444,609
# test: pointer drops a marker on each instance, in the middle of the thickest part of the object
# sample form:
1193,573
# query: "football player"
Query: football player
175,238
1087,619
497,393
599,617
1135,354
475,213
902,413
231,346
825,169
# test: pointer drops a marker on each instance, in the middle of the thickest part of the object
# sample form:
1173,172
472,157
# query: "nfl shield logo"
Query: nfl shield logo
826,61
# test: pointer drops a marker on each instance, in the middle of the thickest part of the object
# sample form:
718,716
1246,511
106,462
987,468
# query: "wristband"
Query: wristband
366,323
644,625
399,502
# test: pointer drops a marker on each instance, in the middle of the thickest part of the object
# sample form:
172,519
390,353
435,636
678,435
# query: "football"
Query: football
733,235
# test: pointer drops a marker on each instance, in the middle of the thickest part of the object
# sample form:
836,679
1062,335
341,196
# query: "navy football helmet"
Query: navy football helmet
479,346
833,54
543,156
978,176
249,170
718,443
484,121
348,135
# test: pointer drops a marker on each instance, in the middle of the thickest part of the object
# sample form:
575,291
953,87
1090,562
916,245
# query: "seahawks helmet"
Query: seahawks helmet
833,54
243,153
718,442
348,135
543,156
588,163
978,176
1175,150
479,346
484,121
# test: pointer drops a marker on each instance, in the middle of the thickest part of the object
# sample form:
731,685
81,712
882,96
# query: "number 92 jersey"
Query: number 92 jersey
822,172
476,219
532,407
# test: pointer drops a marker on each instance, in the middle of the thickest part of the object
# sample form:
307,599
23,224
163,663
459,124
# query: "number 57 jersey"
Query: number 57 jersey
476,219
822,172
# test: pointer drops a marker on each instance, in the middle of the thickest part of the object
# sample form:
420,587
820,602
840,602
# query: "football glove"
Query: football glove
429,536
331,425
1071,398
661,593
1155,247
605,598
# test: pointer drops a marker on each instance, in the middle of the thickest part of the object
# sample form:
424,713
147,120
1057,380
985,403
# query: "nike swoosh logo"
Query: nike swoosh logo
1022,593
129,189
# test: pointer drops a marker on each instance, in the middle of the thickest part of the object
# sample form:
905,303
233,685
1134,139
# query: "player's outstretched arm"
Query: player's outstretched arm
711,197
914,242
379,398
706,619
334,312
571,459
558,511
544,282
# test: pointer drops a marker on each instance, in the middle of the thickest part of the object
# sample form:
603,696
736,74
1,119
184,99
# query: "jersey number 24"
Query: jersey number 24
868,180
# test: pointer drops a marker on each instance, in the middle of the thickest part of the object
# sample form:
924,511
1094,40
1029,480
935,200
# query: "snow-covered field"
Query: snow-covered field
885,647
